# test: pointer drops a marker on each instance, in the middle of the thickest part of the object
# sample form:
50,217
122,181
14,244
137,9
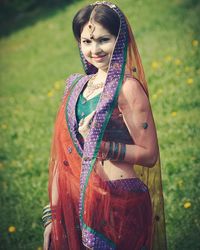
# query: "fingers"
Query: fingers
47,237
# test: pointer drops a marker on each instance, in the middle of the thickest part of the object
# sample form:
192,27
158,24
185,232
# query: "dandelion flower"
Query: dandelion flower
57,85
173,113
50,94
177,62
12,229
190,81
155,65
180,183
39,248
154,96
187,204
195,43
168,59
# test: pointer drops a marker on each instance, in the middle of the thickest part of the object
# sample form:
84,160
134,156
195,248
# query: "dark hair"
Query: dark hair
103,15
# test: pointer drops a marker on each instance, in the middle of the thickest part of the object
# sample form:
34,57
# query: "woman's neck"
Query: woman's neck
101,76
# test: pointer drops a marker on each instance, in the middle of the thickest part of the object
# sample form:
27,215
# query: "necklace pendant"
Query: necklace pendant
84,101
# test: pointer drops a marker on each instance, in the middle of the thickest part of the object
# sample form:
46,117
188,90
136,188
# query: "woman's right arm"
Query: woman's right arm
47,236
54,199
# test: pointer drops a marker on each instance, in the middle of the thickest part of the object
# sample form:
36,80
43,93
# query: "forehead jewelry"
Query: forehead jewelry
91,29
111,5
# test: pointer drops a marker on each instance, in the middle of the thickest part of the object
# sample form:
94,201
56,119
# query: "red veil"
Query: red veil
84,201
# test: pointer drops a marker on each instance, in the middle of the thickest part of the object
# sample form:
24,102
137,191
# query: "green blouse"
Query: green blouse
84,107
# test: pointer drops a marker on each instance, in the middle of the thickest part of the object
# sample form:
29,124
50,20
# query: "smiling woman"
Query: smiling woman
105,183
97,45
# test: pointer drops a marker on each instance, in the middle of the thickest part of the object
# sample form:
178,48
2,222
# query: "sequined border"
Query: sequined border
77,87
104,110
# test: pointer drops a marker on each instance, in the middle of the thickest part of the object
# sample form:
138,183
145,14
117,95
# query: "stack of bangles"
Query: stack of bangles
116,151
48,215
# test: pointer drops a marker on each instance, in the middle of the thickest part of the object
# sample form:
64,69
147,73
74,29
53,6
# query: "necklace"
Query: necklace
91,87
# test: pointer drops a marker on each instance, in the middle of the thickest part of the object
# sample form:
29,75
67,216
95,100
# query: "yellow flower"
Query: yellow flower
190,81
50,94
12,229
173,113
168,58
180,183
155,65
39,248
160,91
195,43
4,126
187,69
187,204
57,85
177,62
154,96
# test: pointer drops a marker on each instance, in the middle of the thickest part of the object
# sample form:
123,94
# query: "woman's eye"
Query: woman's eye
86,41
102,40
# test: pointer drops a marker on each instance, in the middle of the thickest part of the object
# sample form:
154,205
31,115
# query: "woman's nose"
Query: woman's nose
95,48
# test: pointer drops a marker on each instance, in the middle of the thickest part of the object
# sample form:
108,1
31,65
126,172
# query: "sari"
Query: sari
90,211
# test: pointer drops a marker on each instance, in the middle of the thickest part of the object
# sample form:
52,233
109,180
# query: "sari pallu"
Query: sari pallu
120,216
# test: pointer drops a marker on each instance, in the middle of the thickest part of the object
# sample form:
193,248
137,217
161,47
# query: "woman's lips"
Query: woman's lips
98,58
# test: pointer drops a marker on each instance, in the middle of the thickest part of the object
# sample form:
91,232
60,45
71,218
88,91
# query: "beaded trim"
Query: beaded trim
104,110
71,111
111,5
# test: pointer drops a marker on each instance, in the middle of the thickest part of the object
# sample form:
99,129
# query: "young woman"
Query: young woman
105,183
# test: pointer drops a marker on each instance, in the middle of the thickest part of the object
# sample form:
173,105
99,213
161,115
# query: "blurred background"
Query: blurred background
38,52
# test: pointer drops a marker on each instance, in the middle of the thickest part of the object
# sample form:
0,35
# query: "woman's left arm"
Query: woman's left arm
135,107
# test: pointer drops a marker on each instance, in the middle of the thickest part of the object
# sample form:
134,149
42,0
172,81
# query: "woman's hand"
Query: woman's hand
47,236
84,125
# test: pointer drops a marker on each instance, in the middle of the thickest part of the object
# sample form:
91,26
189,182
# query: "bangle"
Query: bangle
116,151
122,152
110,151
103,156
48,215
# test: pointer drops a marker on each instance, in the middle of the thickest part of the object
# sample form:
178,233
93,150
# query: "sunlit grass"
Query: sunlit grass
34,63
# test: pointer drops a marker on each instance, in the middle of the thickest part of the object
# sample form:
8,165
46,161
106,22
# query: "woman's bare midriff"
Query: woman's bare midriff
110,170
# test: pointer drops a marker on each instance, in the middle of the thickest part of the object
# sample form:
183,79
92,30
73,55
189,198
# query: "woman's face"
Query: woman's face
97,45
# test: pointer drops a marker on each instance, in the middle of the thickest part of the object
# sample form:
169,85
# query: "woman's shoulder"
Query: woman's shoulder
131,86
132,90
72,77
70,80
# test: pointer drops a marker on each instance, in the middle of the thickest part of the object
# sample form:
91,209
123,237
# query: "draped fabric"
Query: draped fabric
92,212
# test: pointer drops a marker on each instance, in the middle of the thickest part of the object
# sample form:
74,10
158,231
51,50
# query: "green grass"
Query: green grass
36,59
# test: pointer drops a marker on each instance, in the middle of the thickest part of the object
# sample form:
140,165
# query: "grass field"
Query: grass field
40,53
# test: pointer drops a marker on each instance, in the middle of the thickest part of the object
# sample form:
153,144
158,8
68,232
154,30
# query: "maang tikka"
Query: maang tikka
91,26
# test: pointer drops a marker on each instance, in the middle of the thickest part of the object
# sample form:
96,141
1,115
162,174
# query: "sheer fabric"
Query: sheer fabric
92,212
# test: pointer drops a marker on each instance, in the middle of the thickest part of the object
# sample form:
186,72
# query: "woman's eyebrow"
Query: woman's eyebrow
100,37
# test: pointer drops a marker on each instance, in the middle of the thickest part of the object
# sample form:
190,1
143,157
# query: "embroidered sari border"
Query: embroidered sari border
96,240
74,82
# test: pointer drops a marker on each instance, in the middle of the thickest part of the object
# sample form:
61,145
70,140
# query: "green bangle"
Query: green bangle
122,152
116,151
